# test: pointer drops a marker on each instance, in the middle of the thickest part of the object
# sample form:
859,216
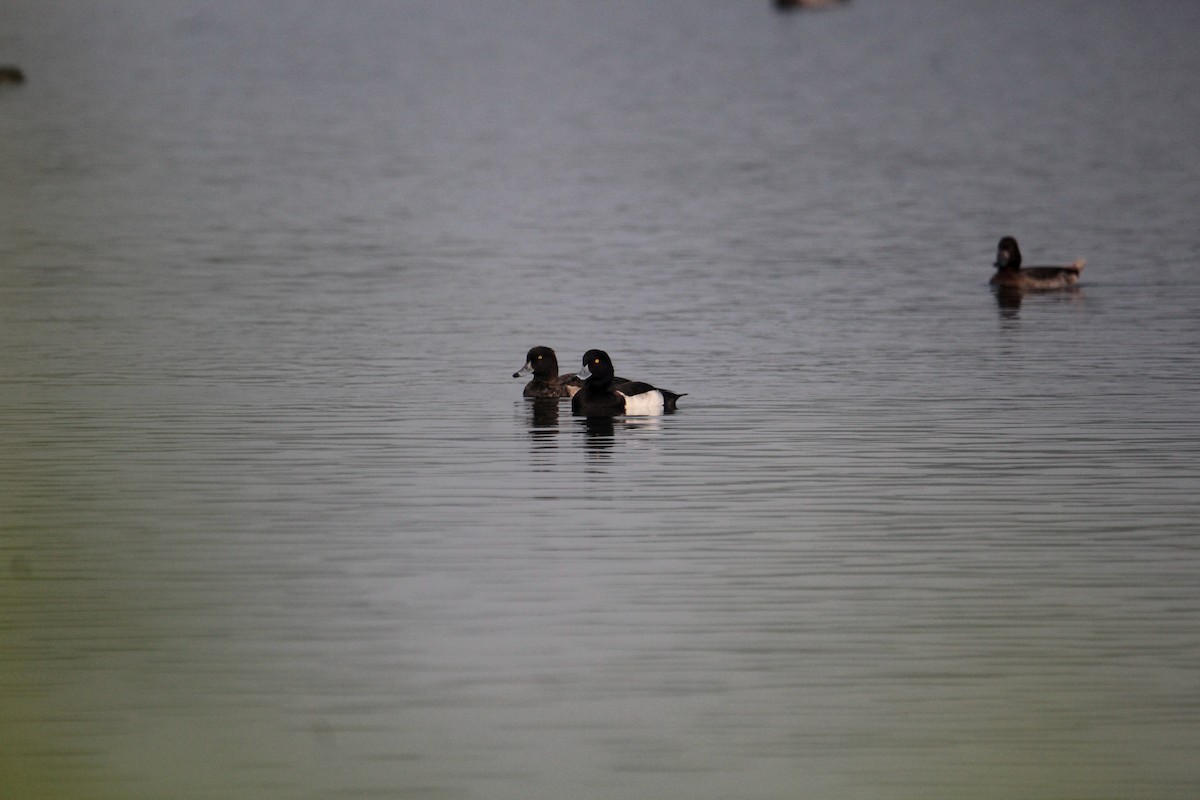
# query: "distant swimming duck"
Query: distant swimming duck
11,74
1011,275
546,382
786,5
604,395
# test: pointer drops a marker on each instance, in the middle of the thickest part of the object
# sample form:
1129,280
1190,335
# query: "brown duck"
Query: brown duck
1011,275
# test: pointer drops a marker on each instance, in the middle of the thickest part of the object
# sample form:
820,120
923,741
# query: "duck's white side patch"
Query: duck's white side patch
644,404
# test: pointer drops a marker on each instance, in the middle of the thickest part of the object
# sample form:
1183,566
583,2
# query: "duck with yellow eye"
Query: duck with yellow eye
1011,275
604,395
546,382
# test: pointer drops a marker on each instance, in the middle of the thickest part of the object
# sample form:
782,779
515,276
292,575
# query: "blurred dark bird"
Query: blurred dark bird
11,74
788,5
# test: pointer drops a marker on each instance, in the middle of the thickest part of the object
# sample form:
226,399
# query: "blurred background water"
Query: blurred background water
275,521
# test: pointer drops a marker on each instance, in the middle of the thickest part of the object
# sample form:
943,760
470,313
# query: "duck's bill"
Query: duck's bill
584,373
525,370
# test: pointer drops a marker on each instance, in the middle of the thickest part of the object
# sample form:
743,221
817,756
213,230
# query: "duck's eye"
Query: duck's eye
539,358
595,361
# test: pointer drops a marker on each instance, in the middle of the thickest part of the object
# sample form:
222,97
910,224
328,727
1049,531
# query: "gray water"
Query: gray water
275,521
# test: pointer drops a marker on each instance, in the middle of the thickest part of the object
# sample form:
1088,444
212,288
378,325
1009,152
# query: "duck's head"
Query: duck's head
1008,255
597,366
541,361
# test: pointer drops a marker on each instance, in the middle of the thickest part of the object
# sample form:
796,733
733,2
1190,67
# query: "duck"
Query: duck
604,395
787,5
546,382
12,74
1011,275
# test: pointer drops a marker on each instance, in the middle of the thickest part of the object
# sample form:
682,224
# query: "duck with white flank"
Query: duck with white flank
603,395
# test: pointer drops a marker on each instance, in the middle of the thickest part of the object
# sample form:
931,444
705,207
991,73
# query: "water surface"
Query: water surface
276,522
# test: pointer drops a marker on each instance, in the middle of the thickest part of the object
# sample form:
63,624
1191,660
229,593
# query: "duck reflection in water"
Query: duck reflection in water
1009,299
599,434
542,419
545,414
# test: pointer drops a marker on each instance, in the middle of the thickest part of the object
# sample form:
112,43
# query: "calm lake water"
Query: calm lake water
275,521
